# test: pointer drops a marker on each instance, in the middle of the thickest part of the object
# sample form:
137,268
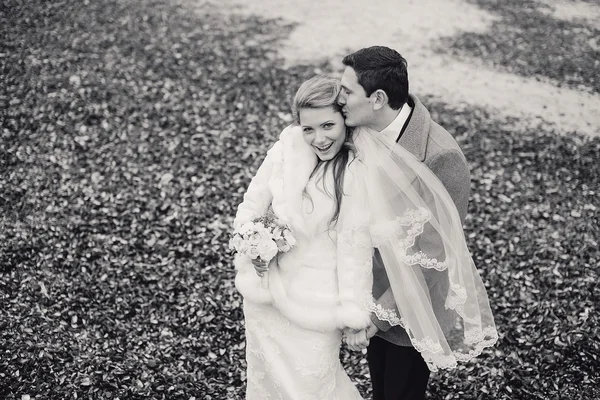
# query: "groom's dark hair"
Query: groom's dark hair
379,67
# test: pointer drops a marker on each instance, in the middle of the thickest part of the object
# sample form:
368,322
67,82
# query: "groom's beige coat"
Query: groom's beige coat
434,146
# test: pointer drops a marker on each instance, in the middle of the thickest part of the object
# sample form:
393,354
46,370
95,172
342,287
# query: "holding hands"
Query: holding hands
358,339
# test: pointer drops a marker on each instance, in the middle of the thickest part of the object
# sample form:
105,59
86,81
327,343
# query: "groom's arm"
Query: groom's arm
452,170
387,312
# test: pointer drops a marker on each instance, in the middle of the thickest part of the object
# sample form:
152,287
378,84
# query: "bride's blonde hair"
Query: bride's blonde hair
322,92
318,92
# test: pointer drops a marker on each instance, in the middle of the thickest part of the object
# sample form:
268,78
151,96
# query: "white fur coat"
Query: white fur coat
280,182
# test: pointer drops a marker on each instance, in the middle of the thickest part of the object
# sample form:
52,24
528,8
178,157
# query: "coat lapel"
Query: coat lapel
414,138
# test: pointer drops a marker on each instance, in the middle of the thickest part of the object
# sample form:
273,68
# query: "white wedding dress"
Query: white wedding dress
285,359
293,315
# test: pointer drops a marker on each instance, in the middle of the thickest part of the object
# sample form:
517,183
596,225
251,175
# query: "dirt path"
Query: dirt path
335,27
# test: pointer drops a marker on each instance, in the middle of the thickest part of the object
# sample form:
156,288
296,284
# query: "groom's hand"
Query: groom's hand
372,329
358,340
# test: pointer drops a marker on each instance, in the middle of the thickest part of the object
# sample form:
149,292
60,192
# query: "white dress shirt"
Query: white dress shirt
392,131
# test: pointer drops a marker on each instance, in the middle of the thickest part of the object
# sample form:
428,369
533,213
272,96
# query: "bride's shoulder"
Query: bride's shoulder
290,131
285,137
355,168
292,139
291,136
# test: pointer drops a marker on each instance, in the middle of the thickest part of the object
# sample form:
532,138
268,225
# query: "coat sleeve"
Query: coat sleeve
354,252
257,199
452,170
258,196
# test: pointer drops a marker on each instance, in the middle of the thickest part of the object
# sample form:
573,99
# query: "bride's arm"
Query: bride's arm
258,197
354,253
256,202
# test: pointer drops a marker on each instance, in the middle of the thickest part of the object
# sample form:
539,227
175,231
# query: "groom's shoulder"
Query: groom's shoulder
440,141
435,140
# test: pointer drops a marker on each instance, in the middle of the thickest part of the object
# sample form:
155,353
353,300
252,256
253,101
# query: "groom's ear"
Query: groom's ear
379,99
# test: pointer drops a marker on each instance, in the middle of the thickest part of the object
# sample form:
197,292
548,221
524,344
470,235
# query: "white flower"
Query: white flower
264,234
263,238
235,243
253,252
268,250
246,228
253,239
289,238
277,233
243,247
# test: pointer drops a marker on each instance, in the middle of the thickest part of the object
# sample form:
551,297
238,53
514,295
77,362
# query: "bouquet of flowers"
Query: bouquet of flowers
262,238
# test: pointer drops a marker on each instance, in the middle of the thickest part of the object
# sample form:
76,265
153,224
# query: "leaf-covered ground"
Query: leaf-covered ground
130,130
526,40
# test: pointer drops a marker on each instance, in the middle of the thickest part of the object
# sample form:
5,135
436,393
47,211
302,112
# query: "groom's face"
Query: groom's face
356,106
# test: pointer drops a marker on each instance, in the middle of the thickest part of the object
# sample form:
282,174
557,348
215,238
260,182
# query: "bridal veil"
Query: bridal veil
395,204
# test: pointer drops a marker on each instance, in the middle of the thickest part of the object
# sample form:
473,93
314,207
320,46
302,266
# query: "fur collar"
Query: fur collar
298,162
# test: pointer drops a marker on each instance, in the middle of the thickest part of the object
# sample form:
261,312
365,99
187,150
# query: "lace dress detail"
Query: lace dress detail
287,362
433,355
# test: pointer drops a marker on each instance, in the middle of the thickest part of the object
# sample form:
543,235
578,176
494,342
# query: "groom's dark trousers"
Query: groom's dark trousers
397,372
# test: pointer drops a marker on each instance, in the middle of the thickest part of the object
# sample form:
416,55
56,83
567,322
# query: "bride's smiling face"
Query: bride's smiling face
323,129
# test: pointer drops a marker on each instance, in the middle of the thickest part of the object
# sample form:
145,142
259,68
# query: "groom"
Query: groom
375,94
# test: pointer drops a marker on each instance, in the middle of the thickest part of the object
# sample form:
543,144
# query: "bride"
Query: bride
345,193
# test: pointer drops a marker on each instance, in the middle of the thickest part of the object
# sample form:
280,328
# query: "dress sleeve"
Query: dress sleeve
258,196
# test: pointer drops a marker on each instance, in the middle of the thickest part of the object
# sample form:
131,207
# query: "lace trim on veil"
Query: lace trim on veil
430,350
410,225
415,220
383,314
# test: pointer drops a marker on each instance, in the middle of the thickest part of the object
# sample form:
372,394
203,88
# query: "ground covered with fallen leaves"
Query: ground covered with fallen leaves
130,130
527,41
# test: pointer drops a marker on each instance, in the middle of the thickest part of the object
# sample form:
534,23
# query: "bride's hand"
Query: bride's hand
260,266
356,340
